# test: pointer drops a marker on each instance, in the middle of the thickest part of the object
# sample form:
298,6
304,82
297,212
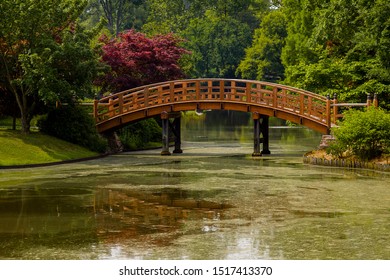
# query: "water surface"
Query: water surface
212,202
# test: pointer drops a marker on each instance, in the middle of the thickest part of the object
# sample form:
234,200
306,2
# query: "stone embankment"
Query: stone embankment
320,157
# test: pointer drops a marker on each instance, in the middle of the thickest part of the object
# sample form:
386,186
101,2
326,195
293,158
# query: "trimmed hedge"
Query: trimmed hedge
75,125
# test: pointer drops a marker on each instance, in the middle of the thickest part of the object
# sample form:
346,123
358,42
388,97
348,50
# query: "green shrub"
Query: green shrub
365,134
137,135
75,125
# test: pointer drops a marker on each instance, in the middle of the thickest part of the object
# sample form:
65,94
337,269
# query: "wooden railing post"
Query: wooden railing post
248,92
110,108
120,104
328,114
335,108
222,89
146,97
275,97
369,100
210,90
197,90
301,104
375,103
171,92
284,98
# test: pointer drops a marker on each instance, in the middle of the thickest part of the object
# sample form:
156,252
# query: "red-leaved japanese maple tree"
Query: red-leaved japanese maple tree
137,60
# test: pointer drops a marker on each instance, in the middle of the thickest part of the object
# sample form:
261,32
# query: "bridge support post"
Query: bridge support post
264,129
176,129
165,134
260,134
256,135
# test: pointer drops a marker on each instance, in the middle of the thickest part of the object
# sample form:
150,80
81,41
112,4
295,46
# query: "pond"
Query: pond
214,201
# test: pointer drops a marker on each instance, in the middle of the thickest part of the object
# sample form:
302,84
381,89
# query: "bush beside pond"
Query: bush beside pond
362,140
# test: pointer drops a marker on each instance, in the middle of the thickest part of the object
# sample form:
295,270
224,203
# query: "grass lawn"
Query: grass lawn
18,149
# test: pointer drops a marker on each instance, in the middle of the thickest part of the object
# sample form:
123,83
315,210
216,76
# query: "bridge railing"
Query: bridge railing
336,114
287,99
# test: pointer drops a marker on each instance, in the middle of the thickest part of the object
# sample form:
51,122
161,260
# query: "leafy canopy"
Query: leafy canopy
339,47
45,56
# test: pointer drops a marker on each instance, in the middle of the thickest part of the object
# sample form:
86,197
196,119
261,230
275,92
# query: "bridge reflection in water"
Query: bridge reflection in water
261,99
80,219
132,214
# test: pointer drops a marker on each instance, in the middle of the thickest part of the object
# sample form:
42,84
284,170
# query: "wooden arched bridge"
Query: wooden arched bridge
262,99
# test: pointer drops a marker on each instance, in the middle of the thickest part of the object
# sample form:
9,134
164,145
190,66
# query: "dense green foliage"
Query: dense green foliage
338,47
139,135
364,134
73,124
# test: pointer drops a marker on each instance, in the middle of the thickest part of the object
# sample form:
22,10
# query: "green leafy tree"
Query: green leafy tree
45,56
217,32
119,15
263,59
217,45
339,47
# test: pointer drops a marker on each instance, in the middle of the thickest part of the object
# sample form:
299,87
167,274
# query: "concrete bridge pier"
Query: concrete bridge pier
260,134
175,127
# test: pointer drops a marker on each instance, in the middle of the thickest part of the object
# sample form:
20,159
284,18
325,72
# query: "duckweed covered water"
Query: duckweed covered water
212,202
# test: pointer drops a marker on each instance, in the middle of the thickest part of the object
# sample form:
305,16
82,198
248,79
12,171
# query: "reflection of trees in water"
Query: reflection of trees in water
220,125
134,214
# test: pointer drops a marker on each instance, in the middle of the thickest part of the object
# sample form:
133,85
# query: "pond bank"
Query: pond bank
320,157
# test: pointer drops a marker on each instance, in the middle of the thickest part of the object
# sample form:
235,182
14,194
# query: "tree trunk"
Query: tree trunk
25,116
25,120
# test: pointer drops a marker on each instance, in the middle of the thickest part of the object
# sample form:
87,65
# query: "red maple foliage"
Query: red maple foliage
137,60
